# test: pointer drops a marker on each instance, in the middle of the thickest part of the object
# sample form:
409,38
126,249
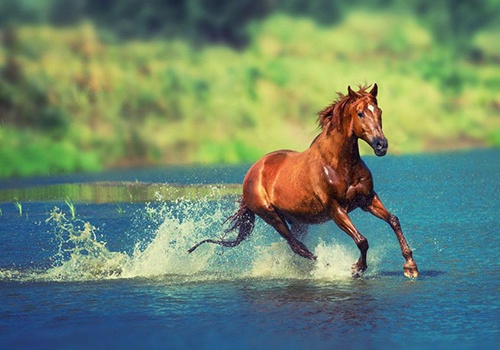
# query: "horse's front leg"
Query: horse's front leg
339,215
377,208
299,230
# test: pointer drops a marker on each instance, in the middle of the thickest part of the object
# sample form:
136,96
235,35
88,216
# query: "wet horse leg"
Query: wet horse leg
343,221
299,230
270,216
378,209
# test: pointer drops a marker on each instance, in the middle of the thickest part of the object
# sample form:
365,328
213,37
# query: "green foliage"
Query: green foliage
70,101
455,22
26,153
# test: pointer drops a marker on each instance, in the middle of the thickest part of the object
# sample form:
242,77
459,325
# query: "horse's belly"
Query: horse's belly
305,218
300,208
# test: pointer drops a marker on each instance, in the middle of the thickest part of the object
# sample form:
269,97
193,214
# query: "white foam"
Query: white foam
278,261
81,256
334,262
167,252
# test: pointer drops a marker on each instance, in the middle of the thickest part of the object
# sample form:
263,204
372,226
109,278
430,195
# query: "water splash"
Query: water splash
81,256
334,261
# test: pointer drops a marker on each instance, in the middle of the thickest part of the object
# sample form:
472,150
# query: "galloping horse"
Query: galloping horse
290,190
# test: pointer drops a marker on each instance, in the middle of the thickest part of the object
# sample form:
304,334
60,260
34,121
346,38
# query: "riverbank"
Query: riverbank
76,100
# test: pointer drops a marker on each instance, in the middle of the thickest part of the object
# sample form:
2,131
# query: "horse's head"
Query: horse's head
367,119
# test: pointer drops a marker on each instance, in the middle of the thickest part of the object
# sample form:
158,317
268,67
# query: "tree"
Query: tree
455,22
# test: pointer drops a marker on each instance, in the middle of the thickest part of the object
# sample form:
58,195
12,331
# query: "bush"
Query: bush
80,103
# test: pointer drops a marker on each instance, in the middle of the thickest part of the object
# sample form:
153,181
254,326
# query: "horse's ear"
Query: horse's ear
352,94
374,90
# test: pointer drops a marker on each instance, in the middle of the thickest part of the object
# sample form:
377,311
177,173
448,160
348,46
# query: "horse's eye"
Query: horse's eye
360,114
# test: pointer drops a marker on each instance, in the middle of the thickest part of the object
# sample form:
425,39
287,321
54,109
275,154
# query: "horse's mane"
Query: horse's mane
333,112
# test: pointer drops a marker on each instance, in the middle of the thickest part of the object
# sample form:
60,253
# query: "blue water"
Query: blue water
118,275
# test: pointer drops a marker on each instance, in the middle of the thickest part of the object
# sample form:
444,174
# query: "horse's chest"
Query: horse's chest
352,191
357,191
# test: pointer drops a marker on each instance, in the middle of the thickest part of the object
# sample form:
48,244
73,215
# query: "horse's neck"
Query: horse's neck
336,149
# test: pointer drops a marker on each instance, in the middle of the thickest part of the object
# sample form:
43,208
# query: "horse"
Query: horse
291,190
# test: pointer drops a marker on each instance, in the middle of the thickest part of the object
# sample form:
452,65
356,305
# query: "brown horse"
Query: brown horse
290,190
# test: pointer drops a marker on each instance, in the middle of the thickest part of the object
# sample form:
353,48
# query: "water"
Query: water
118,275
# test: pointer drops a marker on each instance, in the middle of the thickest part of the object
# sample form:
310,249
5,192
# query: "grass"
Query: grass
119,209
71,207
19,207
107,104
114,192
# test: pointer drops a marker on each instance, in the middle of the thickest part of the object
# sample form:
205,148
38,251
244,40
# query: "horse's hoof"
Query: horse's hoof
310,257
305,254
357,272
411,271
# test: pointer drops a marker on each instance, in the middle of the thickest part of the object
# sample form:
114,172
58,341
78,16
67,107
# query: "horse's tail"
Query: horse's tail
243,220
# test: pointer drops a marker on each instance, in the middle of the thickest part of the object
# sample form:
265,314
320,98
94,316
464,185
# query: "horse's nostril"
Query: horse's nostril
382,144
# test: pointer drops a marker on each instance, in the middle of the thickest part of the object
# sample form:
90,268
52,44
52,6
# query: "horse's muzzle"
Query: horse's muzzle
380,146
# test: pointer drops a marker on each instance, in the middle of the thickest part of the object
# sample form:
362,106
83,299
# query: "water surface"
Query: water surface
117,274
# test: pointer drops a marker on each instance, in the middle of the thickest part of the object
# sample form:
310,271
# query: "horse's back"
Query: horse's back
275,160
267,167
262,174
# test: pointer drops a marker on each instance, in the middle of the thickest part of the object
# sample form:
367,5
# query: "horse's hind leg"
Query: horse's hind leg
269,215
378,209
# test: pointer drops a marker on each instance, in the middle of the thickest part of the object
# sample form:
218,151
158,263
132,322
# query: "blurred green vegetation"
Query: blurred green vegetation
112,192
80,92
